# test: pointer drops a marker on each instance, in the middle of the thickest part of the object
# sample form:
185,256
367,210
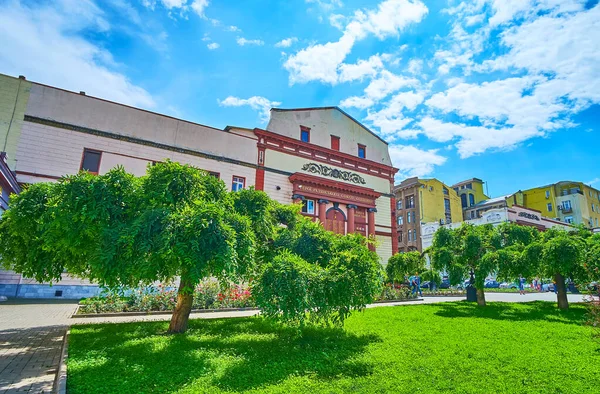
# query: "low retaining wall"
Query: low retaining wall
72,292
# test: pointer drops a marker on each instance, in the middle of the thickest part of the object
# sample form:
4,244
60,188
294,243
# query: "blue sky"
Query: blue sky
503,90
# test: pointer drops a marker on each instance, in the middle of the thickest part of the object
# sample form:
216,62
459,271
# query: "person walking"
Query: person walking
522,285
417,284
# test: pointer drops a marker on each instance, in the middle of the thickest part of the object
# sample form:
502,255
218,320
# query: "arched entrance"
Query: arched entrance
336,221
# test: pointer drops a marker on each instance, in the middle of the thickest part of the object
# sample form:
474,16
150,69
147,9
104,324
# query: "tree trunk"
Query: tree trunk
561,296
480,297
181,314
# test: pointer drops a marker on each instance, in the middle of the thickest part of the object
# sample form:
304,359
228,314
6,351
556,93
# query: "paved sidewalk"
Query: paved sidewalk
32,331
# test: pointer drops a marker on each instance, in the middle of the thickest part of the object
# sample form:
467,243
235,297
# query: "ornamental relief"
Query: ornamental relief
321,169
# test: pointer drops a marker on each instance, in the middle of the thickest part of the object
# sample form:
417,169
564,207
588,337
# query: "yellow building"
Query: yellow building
421,201
470,192
567,201
476,211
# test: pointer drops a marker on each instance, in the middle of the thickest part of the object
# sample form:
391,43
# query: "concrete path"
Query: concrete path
32,333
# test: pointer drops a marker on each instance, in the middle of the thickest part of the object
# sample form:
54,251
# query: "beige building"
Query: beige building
339,169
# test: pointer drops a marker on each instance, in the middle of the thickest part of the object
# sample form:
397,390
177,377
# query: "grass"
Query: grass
452,347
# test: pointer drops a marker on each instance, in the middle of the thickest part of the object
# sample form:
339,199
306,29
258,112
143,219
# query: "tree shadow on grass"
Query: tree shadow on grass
527,311
232,354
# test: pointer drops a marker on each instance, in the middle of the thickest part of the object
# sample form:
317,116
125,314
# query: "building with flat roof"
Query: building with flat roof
337,168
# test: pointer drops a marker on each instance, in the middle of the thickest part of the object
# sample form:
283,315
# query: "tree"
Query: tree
462,251
401,265
115,229
518,254
316,275
562,257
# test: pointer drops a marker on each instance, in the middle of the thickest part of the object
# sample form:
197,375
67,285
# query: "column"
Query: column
297,198
322,210
351,208
371,225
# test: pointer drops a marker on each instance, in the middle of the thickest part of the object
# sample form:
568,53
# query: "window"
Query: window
335,142
569,219
593,210
400,236
446,192
409,235
414,235
91,161
547,193
304,134
596,222
215,174
409,217
400,220
549,207
447,204
566,205
463,200
469,186
362,151
238,183
471,200
399,204
410,202
308,206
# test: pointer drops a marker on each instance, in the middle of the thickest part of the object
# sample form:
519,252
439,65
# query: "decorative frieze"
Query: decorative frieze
324,170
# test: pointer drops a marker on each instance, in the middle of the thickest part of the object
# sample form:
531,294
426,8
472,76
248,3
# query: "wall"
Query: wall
536,199
14,95
14,285
52,152
327,122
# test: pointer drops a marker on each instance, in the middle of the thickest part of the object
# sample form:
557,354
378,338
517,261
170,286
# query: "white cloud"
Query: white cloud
415,66
286,42
234,28
326,6
51,50
320,62
412,161
594,181
199,6
243,41
257,103
337,20
213,46
363,68
387,83
391,120
357,102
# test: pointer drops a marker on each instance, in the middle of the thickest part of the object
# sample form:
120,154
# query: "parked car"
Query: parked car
548,287
506,285
445,284
426,285
491,284
593,287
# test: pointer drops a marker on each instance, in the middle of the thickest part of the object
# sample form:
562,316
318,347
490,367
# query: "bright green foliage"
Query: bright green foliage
401,265
462,250
317,276
450,347
518,255
563,254
592,256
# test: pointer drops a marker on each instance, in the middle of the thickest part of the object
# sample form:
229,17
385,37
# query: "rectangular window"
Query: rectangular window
409,238
362,151
335,142
400,220
410,202
91,161
569,219
308,206
215,174
238,183
470,186
549,207
566,205
547,193
400,236
304,134
399,204
414,235
447,204
446,191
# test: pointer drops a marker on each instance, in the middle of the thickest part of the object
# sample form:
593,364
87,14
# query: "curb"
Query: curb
116,314
60,382
395,301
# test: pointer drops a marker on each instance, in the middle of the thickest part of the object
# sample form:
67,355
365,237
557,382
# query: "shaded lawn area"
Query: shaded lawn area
448,347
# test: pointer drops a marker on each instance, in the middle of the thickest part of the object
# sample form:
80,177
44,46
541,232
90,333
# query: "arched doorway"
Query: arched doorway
336,221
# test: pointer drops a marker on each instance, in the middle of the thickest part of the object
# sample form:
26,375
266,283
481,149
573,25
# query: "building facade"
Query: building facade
470,192
321,157
419,201
476,211
567,201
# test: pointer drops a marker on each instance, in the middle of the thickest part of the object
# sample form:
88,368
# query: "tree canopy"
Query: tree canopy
180,223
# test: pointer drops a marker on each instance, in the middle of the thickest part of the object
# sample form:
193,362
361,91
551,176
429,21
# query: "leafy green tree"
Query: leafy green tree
401,265
463,250
115,229
317,276
563,257
517,254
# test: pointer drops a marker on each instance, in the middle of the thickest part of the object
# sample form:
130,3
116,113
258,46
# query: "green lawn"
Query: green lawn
450,347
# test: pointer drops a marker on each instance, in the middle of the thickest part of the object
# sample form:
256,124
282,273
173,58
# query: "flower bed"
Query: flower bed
208,295
396,293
